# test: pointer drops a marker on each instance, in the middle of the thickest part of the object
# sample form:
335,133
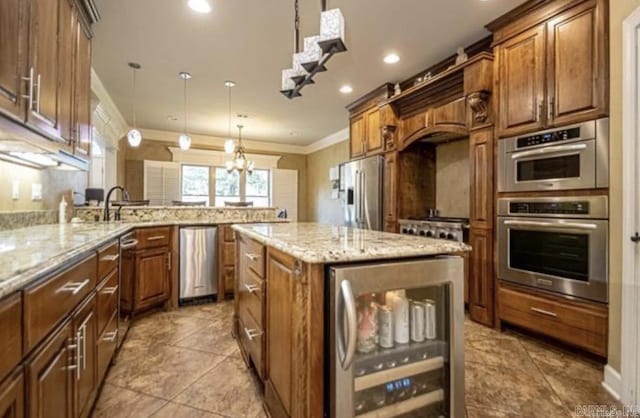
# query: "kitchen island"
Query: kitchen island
310,318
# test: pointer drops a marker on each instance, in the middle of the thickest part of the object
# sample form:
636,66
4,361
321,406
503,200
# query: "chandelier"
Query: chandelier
317,50
239,163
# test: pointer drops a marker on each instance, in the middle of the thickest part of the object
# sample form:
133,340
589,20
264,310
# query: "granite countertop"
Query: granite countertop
321,244
29,253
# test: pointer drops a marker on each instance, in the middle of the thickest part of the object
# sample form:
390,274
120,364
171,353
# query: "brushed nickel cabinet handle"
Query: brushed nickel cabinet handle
544,312
552,111
74,287
252,288
29,97
110,258
125,245
252,257
37,101
156,238
252,333
110,336
109,290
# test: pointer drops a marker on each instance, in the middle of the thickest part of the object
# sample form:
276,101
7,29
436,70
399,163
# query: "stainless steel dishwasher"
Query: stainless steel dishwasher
198,262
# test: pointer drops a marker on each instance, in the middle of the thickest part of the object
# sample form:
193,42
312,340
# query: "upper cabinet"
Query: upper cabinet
356,135
555,71
45,70
369,124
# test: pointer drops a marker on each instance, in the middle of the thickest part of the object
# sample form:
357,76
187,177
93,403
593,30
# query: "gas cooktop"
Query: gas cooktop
441,219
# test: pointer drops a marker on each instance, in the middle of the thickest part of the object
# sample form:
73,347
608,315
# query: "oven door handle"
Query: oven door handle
549,150
561,225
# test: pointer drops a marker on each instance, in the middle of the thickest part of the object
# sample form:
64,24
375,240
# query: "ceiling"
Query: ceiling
251,41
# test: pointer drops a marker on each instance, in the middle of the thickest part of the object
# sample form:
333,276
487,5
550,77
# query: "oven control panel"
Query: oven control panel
548,137
565,208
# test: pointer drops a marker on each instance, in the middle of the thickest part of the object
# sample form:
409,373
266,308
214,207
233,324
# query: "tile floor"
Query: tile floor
185,363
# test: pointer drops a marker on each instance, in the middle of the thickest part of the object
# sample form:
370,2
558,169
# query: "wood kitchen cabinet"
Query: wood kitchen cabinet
390,195
227,257
357,136
12,396
50,375
82,92
365,134
555,73
86,380
13,56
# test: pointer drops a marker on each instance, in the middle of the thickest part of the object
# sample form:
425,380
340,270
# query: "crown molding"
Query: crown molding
107,111
327,141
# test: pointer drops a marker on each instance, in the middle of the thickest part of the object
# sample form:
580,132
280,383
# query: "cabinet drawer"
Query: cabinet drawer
47,303
152,237
107,346
108,293
251,337
108,259
250,295
577,324
253,253
10,333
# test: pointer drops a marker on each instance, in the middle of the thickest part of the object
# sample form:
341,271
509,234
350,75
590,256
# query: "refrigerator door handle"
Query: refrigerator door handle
356,200
346,351
366,218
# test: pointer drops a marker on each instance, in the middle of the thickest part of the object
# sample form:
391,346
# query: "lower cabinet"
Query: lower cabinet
227,262
86,379
50,373
145,279
106,347
12,396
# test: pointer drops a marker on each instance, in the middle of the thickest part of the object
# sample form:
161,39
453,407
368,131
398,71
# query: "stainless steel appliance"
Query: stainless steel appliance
568,158
453,229
198,262
420,379
363,193
555,243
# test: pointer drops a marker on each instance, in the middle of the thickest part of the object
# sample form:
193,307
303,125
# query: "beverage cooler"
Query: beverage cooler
396,339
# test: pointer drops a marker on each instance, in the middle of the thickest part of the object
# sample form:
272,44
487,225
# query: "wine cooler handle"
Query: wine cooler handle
348,352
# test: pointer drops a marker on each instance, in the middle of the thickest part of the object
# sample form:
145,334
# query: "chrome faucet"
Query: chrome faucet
125,197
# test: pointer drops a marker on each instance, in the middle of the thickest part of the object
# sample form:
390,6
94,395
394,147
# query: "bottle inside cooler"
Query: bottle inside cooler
401,367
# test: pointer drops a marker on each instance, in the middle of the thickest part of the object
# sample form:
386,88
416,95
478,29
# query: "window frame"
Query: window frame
207,197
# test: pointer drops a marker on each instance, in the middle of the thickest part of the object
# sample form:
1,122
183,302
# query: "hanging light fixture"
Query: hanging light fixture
317,50
239,162
184,140
229,145
134,137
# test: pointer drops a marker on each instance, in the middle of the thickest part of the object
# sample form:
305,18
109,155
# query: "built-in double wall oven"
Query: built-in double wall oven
558,244
568,158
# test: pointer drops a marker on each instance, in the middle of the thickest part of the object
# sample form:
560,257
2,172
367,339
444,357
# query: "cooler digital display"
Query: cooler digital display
393,387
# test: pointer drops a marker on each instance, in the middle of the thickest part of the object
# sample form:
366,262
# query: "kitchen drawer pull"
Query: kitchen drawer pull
544,312
156,238
252,257
109,290
125,245
252,288
75,287
110,258
252,333
110,336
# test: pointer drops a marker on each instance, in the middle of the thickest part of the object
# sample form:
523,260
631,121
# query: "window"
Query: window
195,183
227,186
257,188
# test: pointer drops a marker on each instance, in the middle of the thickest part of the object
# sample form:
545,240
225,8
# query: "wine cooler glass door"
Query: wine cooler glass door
396,338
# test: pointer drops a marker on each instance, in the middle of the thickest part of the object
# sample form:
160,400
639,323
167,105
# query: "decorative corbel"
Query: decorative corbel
388,136
479,104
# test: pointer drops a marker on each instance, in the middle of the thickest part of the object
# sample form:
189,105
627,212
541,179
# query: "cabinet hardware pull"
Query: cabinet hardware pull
113,257
109,290
110,336
552,111
252,288
155,238
543,312
252,333
70,368
252,257
37,101
125,245
29,96
75,287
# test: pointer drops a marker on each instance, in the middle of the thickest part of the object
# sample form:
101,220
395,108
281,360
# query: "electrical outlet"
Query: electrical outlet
15,190
36,191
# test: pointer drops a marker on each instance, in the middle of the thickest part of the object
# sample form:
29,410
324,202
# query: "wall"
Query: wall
619,10
321,207
452,179
159,151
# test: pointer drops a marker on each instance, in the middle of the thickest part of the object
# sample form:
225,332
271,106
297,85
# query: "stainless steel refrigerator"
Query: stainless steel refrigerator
362,197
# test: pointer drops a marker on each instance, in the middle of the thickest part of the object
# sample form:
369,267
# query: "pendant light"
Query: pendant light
239,162
229,145
184,140
134,137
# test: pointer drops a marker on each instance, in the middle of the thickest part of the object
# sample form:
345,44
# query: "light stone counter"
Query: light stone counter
321,244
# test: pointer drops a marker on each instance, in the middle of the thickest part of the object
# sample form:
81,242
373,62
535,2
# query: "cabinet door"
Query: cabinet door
577,73
521,69
390,191
66,52
13,38
357,132
50,374
481,289
82,97
85,331
152,278
374,135
481,193
12,397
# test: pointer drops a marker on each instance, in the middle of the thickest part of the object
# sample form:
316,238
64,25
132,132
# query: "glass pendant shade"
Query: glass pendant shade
229,146
250,167
134,137
240,163
184,141
229,166
332,31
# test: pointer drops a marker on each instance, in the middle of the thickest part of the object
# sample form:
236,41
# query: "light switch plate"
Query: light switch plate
15,190
36,191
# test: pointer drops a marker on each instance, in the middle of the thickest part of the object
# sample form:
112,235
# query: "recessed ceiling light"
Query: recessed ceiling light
346,89
200,6
391,59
